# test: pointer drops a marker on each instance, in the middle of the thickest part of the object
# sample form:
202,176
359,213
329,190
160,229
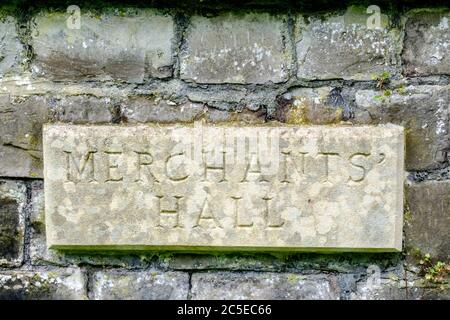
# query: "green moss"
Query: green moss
379,98
401,90
434,272
294,278
407,214
296,115
7,10
169,250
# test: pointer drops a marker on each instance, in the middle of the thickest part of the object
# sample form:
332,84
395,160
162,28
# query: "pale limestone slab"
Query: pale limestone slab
224,187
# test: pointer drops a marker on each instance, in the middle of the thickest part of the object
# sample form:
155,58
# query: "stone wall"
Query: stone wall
181,63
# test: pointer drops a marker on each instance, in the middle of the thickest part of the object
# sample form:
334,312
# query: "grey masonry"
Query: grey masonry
130,65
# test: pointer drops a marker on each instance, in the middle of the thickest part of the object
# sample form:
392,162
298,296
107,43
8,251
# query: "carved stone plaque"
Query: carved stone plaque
224,187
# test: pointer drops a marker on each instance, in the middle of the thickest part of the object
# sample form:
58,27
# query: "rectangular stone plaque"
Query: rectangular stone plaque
224,187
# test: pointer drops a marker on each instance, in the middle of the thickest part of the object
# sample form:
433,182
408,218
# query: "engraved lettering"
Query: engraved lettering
86,160
271,222
174,213
150,190
327,156
237,220
354,162
207,215
252,168
113,173
145,159
215,167
287,159
168,174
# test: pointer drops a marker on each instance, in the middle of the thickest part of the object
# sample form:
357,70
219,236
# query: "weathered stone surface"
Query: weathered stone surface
344,47
241,116
37,247
427,44
21,121
126,47
423,111
398,289
58,284
20,136
428,222
323,105
240,286
40,255
83,109
11,49
380,289
155,109
12,222
231,48
142,285
155,186
235,262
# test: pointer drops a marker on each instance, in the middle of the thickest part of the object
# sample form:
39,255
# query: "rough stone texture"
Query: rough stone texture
427,44
323,105
40,255
384,289
428,223
38,248
21,121
126,47
11,49
231,48
119,75
58,284
142,285
221,261
343,47
264,286
107,199
422,110
12,222
83,109
154,109
20,136
398,289
245,116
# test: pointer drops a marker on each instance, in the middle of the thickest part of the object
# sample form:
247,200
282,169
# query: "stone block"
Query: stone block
83,109
427,41
232,48
342,46
21,135
155,109
195,186
129,46
428,222
398,289
57,284
12,51
262,286
139,285
324,105
423,111
12,222
21,120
